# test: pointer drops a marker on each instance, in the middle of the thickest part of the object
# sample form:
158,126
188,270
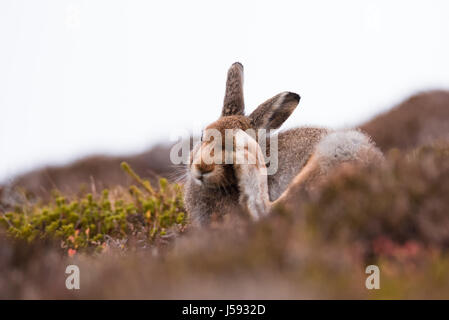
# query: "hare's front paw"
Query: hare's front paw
251,175
254,205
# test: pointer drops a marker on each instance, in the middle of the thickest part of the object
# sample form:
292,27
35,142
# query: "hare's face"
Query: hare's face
211,160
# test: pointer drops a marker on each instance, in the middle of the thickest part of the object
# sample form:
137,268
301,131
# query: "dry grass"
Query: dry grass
396,217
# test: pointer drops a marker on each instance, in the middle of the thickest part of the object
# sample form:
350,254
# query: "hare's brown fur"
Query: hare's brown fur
304,155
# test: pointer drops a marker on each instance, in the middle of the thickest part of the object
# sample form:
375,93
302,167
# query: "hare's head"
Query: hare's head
211,159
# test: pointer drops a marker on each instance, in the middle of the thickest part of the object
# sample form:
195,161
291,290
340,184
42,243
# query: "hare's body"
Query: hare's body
304,155
295,147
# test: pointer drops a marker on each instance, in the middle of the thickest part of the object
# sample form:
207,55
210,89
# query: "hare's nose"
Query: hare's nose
204,168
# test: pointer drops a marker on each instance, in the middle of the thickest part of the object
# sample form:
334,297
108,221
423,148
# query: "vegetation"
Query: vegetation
404,202
395,216
419,120
92,221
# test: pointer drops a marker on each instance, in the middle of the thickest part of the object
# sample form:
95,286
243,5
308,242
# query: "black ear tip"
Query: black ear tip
240,65
291,96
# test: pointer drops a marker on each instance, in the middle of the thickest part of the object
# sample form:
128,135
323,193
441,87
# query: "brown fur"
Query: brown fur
233,102
273,113
231,122
219,188
293,156
212,189
246,187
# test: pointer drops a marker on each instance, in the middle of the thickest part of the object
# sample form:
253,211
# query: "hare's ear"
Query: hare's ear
272,113
233,101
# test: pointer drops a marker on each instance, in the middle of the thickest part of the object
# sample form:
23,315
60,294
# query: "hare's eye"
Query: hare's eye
201,136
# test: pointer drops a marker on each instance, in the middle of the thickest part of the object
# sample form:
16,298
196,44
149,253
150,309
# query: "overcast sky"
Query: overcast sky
106,76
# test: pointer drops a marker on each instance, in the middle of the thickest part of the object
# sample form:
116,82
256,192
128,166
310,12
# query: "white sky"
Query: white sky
94,76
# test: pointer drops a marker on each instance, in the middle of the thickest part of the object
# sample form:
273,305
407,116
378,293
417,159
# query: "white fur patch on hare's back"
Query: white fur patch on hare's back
343,145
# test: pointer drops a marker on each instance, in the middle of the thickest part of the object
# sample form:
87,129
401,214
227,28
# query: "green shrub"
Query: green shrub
89,221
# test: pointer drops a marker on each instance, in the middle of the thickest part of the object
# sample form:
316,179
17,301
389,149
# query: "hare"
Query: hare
303,156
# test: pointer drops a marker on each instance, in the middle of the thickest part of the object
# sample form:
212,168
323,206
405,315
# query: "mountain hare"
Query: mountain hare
227,169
